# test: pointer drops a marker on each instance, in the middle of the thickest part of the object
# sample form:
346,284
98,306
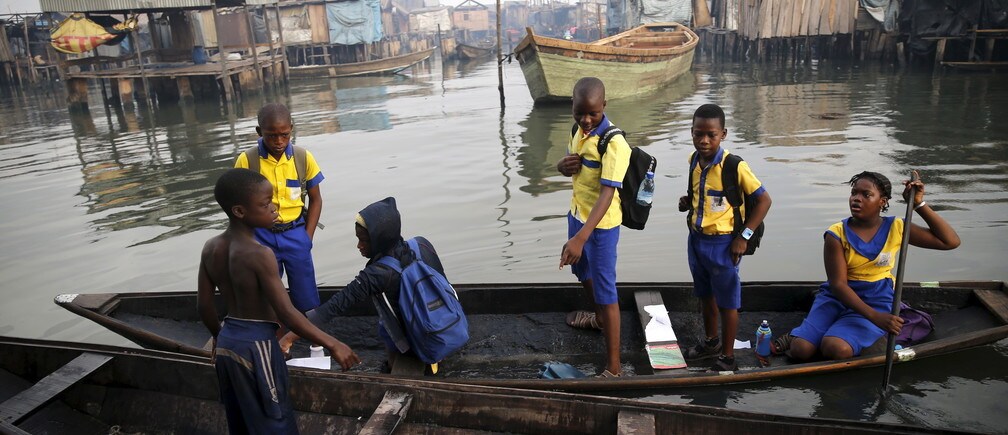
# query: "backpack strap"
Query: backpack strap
606,136
729,183
300,165
693,162
252,157
574,130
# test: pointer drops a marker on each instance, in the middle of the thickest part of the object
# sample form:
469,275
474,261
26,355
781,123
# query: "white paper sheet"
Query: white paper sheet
659,329
324,363
741,344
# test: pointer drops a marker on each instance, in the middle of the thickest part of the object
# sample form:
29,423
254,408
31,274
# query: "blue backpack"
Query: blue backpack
431,315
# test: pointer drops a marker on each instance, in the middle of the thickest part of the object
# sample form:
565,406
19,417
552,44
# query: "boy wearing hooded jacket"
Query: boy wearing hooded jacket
378,230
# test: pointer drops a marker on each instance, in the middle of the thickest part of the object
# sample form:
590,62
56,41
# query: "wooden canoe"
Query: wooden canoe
51,387
515,328
634,62
466,52
388,65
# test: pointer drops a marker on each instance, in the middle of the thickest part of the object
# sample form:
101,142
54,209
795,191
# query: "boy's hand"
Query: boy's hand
343,355
286,342
888,322
571,252
738,247
569,165
684,204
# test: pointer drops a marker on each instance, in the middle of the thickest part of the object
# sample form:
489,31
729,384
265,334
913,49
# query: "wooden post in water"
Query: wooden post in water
27,43
136,48
283,48
598,17
269,40
222,58
500,58
253,46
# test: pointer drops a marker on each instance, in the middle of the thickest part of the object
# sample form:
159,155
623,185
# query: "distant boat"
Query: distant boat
634,62
466,52
388,65
515,328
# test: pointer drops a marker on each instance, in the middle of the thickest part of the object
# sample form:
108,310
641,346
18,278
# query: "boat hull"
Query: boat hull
144,391
552,66
515,328
389,65
466,52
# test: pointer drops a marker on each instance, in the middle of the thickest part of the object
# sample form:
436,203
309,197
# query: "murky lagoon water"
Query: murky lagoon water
122,201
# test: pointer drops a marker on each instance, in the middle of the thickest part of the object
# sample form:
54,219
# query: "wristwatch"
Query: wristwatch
747,233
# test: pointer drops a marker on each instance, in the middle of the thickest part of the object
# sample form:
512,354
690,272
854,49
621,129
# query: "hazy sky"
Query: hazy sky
16,6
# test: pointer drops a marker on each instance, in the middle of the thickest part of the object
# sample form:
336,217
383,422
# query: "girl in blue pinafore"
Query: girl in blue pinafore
852,310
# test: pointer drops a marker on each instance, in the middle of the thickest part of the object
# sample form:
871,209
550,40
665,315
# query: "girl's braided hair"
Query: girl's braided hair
880,181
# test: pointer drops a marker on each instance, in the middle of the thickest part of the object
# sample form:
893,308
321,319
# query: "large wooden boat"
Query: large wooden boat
467,52
56,387
515,328
634,62
388,65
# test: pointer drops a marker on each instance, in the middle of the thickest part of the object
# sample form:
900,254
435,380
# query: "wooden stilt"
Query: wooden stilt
184,89
225,76
28,54
939,54
77,94
125,89
253,47
272,48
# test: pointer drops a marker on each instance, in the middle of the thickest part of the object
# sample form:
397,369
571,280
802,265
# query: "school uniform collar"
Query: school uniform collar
263,153
873,247
602,126
717,159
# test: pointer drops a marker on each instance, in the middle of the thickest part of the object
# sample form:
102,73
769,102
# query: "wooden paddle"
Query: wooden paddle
898,293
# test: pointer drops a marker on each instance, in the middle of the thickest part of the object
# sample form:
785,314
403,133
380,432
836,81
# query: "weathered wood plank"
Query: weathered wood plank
51,386
635,423
408,365
9,429
996,301
389,413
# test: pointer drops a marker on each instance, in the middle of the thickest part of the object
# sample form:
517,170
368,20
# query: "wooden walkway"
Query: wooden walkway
180,69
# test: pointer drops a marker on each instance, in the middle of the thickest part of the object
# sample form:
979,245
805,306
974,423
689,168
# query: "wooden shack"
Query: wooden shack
473,17
186,58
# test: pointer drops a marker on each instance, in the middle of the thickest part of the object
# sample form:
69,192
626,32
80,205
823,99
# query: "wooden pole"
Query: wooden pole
53,57
500,58
27,43
222,55
598,17
136,48
898,293
252,45
269,40
283,48
440,44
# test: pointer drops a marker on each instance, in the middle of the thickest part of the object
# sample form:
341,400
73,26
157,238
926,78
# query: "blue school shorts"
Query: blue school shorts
830,317
252,376
713,270
598,261
293,253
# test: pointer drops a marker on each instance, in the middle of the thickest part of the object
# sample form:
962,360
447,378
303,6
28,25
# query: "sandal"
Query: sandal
583,319
607,374
708,347
781,344
724,364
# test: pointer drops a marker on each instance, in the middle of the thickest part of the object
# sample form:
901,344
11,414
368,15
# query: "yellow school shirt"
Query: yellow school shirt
597,171
282,174
872,260
716,215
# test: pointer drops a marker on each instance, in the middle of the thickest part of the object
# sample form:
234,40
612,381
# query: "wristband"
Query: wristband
922,204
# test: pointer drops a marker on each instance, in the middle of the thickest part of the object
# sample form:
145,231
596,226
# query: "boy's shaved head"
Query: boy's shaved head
274,112
710,111
589,88
235,187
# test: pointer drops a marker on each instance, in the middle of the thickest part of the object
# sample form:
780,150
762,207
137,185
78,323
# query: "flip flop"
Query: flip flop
583,319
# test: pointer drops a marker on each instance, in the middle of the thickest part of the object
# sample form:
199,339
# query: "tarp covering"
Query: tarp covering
354,22
922,18
427,20
659,11
77,34
883,11
296,25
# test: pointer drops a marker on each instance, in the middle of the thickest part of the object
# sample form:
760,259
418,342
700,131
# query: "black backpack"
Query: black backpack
634,214
729,182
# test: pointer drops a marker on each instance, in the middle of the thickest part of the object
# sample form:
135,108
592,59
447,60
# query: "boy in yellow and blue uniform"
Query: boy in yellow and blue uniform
595,214
291,237
853,309
714,249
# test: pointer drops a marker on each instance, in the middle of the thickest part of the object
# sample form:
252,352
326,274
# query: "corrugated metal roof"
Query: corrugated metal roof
138,5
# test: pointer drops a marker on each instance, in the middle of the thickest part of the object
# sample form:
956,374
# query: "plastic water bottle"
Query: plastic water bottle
763,337
317,352
646,192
